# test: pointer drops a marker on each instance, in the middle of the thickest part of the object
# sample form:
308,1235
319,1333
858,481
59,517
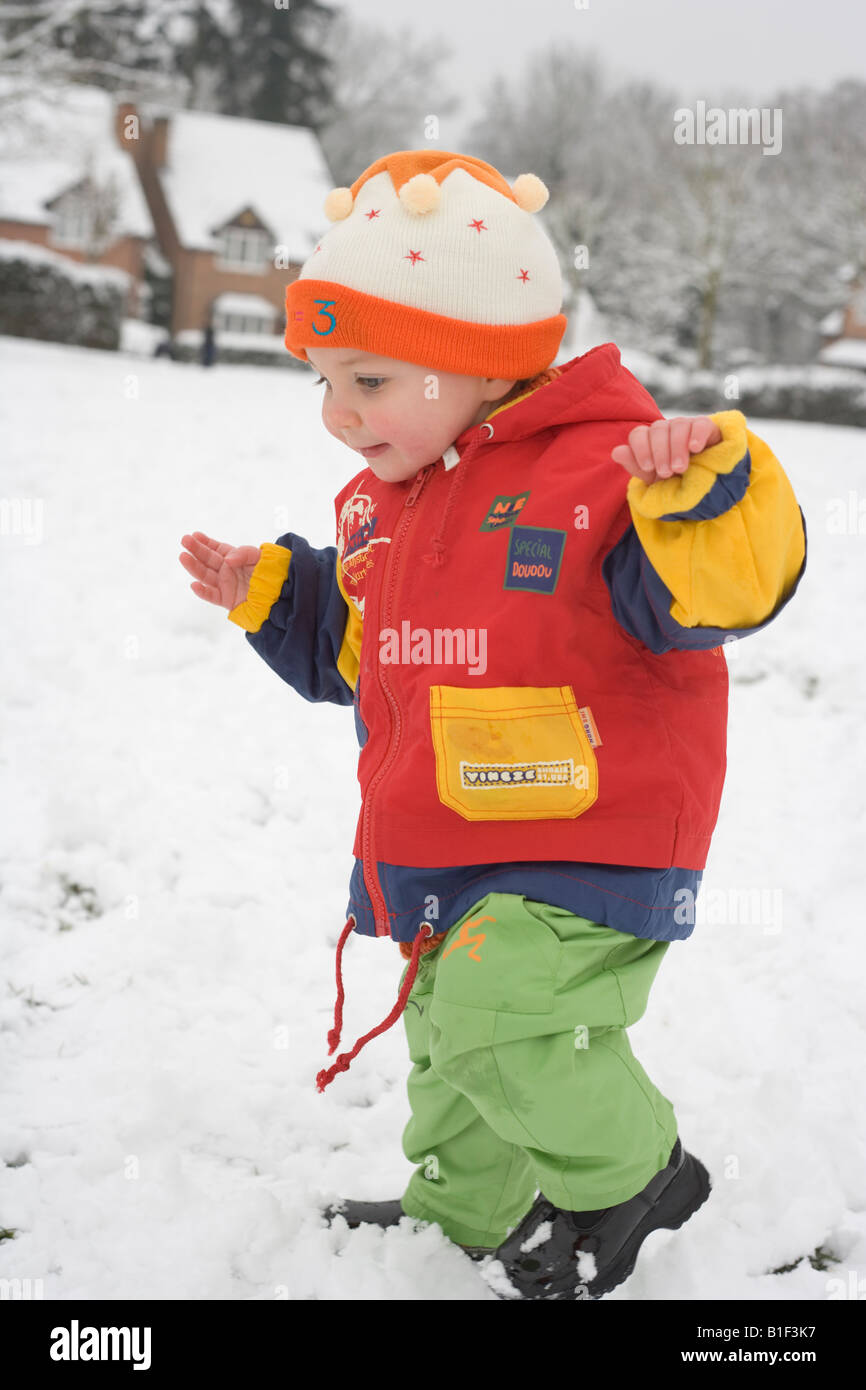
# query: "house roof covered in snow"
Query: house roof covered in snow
216,166
50,140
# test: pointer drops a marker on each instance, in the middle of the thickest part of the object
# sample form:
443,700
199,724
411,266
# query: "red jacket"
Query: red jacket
532,640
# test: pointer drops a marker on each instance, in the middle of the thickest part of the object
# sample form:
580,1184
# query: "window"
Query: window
241,323
244,248
71,223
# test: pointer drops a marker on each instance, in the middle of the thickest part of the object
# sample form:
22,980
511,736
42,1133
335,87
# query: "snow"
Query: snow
232,303
138,337
832,323
277,170
542,1232
494,1274
175,874
845,352
586,327
49,140
825,373
13,250
261,342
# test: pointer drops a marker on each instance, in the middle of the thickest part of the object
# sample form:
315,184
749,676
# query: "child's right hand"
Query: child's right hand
222,571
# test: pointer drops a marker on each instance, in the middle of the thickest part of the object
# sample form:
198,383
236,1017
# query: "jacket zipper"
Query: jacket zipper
380,913
374,889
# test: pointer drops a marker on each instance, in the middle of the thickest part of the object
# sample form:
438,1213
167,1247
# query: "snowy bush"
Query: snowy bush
45,295
831,395
238,349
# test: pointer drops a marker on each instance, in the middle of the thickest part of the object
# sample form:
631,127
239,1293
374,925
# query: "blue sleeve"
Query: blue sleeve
303,633
641,601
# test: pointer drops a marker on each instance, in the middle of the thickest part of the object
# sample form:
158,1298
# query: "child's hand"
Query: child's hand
222,571
662,448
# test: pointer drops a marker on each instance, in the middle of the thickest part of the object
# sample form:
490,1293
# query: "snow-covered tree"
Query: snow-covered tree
387,95
602,152
692,251
106,42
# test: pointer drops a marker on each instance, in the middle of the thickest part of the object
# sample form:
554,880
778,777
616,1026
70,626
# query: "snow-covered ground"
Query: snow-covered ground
175,858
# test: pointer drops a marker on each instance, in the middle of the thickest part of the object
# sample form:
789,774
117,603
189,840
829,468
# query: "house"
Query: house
67,186
237,208
227,209
843,331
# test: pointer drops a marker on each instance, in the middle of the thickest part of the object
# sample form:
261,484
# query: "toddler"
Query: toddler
533,578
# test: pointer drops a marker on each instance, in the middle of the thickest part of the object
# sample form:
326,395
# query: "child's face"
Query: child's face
414,412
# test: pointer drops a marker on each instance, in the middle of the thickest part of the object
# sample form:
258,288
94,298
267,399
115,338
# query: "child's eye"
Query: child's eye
363,379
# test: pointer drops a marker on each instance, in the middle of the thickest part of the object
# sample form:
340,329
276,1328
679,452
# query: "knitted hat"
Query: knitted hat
433,258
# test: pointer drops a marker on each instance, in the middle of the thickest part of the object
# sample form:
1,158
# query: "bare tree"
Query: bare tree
601,150
101,202
33,54
387,96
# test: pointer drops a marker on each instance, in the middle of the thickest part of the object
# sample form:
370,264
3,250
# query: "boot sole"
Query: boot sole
692,1188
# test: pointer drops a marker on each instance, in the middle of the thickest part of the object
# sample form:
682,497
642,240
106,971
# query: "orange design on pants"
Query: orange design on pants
464,939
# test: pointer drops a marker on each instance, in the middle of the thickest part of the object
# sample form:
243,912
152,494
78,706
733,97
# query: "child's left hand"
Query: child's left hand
661,449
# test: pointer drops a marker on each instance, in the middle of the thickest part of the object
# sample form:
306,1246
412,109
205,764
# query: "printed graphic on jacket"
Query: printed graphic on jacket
356,536
534,558
503,511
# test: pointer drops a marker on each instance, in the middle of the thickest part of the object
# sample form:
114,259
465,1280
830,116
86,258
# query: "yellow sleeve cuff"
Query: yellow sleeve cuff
730,571
685,490
266,581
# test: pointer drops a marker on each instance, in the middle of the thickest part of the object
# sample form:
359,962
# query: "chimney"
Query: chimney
159,141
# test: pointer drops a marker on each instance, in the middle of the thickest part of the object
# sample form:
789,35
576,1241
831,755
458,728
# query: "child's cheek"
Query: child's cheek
389,425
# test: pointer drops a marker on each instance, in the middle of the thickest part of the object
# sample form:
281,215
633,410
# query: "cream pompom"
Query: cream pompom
338,204
529,192
421,193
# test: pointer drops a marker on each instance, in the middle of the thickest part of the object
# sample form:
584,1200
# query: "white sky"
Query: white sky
702,49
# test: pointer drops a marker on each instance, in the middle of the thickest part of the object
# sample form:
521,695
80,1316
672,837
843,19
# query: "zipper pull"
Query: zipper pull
416,487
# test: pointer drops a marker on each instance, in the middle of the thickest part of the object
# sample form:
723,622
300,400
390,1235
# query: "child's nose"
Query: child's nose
343,416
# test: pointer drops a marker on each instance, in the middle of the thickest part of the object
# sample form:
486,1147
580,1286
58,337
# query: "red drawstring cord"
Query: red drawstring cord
326,1075
334,1033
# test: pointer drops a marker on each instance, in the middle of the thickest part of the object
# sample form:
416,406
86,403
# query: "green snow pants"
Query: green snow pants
523,1077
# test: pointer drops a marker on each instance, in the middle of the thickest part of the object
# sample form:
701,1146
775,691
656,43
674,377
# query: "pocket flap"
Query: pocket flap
512,752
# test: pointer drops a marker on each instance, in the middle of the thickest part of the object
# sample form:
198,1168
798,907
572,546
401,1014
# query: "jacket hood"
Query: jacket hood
594,386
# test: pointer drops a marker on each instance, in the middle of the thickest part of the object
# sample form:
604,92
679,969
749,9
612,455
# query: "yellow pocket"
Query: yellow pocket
511,752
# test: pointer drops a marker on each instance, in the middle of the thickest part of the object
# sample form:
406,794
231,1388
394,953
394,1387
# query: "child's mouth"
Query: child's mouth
374,450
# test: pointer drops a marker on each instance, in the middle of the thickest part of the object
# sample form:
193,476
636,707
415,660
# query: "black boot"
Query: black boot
541,1257
387,1214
